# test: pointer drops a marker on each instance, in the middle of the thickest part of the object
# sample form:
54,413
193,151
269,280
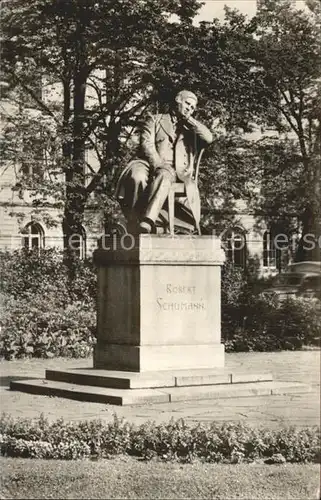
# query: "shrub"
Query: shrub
174,440
233,284
240,292
297,322
28,271
269,326
25,273
36,327
44,314
229,443
170,441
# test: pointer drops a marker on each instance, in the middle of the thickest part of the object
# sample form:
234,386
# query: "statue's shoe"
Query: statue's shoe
147,226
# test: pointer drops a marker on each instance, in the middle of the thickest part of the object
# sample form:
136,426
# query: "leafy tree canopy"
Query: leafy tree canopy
114,59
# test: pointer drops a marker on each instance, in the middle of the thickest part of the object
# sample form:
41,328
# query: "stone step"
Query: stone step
147,380
89,393
161,395
235,391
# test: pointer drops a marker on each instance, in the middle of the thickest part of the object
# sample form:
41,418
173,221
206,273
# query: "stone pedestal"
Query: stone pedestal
159,303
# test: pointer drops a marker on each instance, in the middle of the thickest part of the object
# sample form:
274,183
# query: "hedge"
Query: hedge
43,313
265,325
255,321
29,272
175,440
36,327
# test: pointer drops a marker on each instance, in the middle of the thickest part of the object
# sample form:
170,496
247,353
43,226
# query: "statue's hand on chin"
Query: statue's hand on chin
185,120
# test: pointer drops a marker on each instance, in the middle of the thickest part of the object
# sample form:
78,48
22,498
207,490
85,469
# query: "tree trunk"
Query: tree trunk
75,181
75,172
310,243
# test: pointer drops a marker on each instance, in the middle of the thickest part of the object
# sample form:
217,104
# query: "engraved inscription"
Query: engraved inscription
180,289
173,291
180,306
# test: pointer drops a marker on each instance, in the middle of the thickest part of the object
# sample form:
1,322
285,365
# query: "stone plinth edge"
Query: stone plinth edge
145,358
160,249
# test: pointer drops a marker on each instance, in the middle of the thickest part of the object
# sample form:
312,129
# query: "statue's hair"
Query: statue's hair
184,94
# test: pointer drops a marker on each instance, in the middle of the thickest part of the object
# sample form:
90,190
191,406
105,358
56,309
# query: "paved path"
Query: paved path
295,409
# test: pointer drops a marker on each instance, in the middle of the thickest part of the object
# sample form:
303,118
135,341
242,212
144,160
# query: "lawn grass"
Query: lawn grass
126,477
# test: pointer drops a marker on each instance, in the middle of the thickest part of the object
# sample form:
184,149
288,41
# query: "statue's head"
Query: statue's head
186,103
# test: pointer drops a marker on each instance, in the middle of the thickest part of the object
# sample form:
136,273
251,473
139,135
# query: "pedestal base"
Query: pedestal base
128,388
158,357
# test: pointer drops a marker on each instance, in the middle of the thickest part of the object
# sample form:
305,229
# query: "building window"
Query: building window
33,236
270,253
30,170
235,246
33,155
79,244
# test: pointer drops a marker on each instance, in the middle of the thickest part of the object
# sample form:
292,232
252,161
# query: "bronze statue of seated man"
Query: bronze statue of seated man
169,144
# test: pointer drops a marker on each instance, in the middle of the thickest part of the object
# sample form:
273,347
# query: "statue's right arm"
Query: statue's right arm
148,142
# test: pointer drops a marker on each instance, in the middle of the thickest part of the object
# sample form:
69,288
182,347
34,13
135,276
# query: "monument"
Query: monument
159,311
159,295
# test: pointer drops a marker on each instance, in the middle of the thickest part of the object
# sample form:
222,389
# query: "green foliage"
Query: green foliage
233,283
288,61
262,324
35,326
168,441
277,56
100,55
255,321
171,441
298,322
44,314
262,72
27,273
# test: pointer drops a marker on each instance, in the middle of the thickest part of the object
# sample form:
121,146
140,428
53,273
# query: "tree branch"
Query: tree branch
287,116
34,96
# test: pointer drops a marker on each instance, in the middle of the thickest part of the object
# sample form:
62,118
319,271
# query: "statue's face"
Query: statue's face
186,106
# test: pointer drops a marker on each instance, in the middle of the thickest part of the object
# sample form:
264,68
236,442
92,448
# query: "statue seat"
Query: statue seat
177,190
